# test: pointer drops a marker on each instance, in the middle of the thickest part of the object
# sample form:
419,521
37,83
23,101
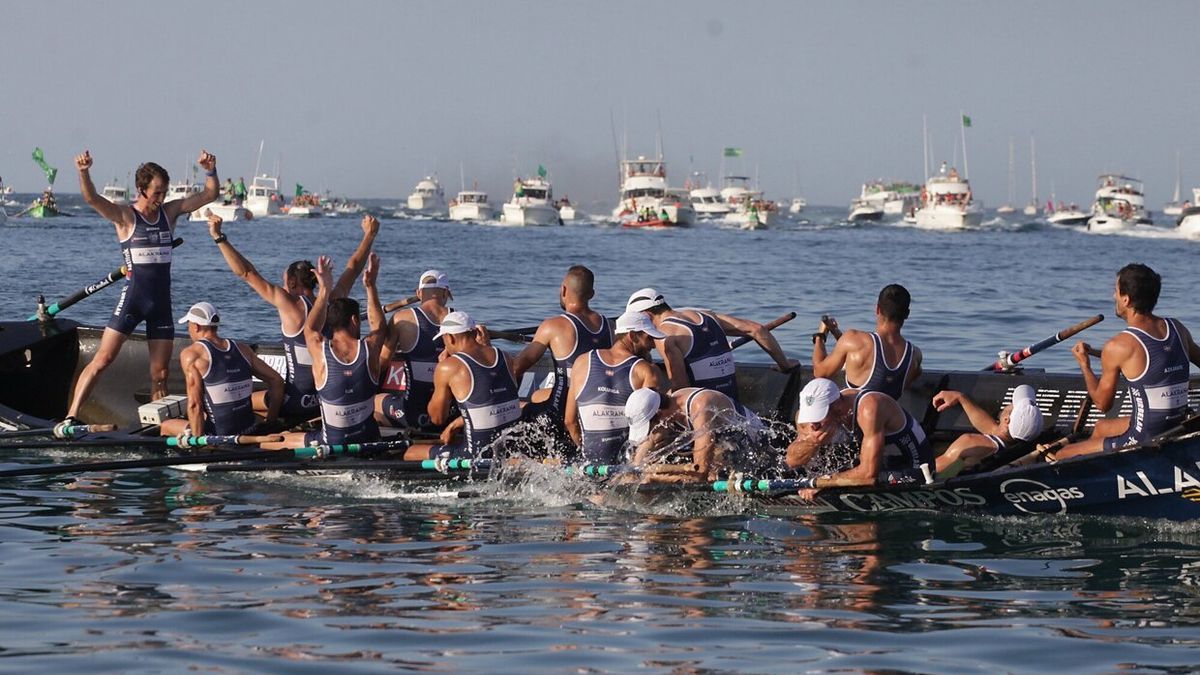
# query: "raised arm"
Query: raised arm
759,333
212,189
315,324
268,375
244,269
94,199
375,316
980,419
354,266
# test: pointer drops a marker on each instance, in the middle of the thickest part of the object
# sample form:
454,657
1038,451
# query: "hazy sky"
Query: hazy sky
364,97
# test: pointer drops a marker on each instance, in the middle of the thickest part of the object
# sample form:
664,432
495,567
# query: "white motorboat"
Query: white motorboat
532,203
1068,215
427,198
115,193
798,205
566,210
894,198
263,198
865,209
180,190
645,200
305,205
229,213
1188,223
752,213
1175,207
1031,209
735,189
706,200
471,205
947,203
1120,205
341,207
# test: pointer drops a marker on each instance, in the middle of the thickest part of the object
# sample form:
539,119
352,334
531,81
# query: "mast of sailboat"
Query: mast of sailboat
462,178
925,143
258,161
612,125
962,127
1175,199
1011,156
1033,167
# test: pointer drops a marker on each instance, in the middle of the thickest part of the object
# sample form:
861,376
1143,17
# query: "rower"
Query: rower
601,383
293,301
219,373
478,378
345,365
578,330
715,431
867,357
1152,354
145,230
696,350
892,446
410,355
1018,425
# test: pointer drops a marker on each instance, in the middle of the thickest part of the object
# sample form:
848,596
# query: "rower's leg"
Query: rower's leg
110,345
172,427
1107,428
160,363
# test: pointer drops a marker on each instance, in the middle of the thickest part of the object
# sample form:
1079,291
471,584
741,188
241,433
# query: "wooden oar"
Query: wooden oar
770,326
1008,362
151,442
60,432
511,336
395,305
89,290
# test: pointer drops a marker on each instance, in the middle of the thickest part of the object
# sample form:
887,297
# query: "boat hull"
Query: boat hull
226,212
471,212
530,214
948,219
1107,224
42,211
1189,223
261,208
1068,218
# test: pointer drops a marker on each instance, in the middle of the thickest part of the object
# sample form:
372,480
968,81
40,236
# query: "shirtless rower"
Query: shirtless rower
716,433
345,365
145,229
411,354
293,301
867,357
1152,354
578,330
892,446
1018,426
478,378
219,374
601,383
696,350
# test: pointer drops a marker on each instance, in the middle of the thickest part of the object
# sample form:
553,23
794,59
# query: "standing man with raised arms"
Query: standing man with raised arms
145,230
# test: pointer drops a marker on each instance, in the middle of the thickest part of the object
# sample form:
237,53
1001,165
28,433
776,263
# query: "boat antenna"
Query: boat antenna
962,126
658,138
1033,168
612,125
925,142
462,178
259,160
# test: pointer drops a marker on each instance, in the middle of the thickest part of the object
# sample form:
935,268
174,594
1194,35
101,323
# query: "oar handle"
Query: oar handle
508,335
770,326
1007,363
401,304
1079,327
212,439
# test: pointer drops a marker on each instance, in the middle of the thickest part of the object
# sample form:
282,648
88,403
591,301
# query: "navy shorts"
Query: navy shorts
138,304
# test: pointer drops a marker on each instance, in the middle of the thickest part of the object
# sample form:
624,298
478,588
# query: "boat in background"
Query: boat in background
566,210
947,203
471,205
1175,207
532,203
45,206
1120,205
706,200
1068,215
1188,223
862,209
894,198
262,197
798,205
645,200
6,195
305,205
752,213
115,193
1008,208
427,198
230,213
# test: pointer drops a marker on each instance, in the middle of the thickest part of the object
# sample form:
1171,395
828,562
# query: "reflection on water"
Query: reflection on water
244,573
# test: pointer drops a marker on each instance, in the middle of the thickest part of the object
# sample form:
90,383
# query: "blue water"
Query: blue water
162,570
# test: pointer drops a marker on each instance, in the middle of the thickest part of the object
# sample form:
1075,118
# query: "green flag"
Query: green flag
299,189
51,172
541,171
966,121
733,152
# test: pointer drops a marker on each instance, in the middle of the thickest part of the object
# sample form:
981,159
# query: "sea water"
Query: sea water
162,570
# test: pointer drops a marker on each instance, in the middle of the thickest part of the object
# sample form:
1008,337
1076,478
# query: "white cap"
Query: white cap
644,299
1025,420
202,314
455,323
815,399
433,279
640,409
637,321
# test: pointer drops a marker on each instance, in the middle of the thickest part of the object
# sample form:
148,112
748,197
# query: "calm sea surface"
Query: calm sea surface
162,570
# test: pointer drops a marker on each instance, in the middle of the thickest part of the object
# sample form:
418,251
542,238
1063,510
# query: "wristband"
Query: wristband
221,239
211,174
818,336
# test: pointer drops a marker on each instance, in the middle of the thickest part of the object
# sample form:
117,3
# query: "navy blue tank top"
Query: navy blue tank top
492,404
1160,393
299,377
147,253
904,449
228,384
601,401
882,378
585,341
348,398
709,361
421,360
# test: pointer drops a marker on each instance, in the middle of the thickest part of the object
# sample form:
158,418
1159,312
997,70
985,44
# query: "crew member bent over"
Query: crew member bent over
411,354
1152,354
219,374
696,350
1017,427
145,229
712,430
867,357
293,301
892,446
602,381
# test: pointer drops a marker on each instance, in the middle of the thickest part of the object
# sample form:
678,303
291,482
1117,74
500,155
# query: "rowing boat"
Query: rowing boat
39,362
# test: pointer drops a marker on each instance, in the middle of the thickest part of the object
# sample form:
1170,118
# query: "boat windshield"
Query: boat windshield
635,193
535,193
1121,183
